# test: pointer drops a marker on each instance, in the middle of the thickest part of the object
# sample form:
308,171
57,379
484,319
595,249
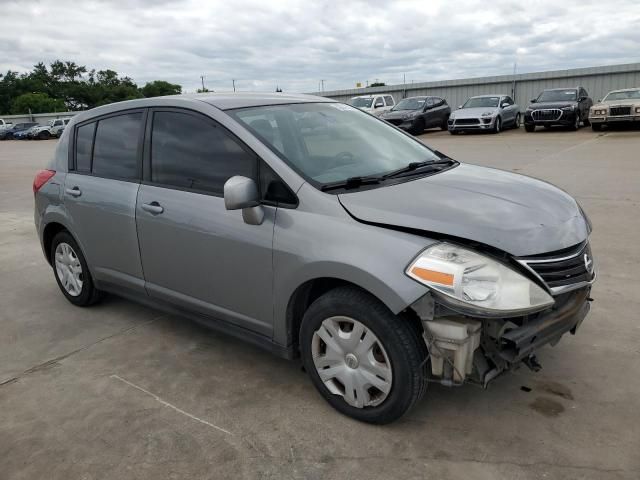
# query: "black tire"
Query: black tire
596,127
445,123
529,128
399,337
88,294
586,122
516,121
418,127
453,132
44,135
576,124
497,128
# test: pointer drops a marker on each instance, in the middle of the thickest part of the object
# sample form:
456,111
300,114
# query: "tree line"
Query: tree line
66,86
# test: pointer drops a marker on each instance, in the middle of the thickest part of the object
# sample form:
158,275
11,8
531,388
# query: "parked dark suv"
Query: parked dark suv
559,106
414,114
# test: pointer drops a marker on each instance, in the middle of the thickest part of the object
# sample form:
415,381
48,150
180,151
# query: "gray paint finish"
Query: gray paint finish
511,212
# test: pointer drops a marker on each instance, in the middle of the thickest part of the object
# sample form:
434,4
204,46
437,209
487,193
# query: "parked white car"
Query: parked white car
373,104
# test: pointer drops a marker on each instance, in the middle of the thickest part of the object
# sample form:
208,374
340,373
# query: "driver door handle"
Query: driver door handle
154,207
74,192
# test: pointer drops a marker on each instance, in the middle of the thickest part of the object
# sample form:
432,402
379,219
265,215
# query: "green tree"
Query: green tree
37,103
158,88
377,84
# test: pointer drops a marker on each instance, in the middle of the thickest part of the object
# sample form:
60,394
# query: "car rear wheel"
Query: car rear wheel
71,271
365,361
445,123
516,122
586,122
596,127
44,135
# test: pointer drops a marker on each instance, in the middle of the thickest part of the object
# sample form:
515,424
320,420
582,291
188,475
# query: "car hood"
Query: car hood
633,102
472,112
398,113
541,105
514,213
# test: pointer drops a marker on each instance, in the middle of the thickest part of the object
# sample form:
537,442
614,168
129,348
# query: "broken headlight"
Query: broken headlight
469,279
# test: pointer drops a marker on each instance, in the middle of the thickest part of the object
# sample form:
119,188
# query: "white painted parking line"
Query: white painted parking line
167,404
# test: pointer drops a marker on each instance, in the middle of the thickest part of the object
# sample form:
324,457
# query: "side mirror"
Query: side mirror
459,107
582,99
599,100
534,100
241,193
504,104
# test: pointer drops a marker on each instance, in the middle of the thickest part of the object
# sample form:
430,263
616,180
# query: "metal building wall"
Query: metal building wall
596,80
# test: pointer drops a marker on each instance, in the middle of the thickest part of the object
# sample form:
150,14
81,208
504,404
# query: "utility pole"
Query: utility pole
513,86
322,84
234,84
202,78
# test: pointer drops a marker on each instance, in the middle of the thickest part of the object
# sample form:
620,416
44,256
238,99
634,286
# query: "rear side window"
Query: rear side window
115,151
84,142
192,152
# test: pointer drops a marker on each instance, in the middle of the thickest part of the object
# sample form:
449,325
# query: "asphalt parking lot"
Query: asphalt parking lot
123,391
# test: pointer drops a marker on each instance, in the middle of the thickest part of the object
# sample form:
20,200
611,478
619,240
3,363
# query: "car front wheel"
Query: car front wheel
596,127
365,361
529,128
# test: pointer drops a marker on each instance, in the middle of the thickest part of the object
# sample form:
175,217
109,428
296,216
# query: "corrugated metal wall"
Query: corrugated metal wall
596,80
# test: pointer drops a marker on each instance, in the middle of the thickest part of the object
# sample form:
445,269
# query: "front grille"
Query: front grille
563,271
467,121
613,111
547,114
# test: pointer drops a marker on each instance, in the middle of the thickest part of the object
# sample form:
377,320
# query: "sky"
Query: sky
295,44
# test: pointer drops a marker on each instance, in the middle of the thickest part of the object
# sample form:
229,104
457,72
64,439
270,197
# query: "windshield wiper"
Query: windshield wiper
352,182
419,167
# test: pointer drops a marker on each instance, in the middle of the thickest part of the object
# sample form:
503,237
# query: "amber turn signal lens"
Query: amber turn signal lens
433,276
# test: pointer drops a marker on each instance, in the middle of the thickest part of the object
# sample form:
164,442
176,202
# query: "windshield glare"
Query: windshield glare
361,102
416,103
489,102
331,142
630,94
558,96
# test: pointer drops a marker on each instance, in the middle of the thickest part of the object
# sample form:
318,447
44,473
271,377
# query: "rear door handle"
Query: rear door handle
153,207
74,192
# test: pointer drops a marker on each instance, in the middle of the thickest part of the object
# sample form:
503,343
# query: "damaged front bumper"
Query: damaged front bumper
477,350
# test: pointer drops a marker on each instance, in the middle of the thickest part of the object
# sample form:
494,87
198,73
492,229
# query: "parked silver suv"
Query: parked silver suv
316,230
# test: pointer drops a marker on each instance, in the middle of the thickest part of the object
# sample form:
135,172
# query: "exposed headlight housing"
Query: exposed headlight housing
487,114
600,112
637,109
476,282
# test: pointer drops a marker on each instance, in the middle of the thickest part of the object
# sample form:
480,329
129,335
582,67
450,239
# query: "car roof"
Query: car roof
554,89
491,95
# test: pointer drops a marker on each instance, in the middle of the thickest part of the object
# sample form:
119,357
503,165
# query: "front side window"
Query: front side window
482,102
379,102
190,151
115,151
389,100
331,142
84,144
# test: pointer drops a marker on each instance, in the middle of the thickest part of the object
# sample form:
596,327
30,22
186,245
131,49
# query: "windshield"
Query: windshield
331,142
479,102
361,102
416,103
558,96
629,94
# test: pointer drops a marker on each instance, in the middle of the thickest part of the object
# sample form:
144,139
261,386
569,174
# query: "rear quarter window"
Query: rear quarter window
115,151
84,144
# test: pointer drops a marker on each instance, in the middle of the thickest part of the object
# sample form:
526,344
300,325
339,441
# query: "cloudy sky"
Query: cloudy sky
294,44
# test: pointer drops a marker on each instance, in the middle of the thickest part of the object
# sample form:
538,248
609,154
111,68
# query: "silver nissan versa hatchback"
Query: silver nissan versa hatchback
318,231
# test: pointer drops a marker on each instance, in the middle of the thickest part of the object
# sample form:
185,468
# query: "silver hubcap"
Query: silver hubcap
352,362
68,269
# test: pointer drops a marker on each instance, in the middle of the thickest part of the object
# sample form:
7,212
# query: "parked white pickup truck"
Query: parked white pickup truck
53,128
4,125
